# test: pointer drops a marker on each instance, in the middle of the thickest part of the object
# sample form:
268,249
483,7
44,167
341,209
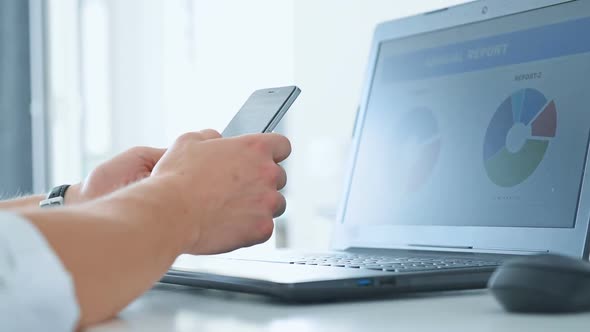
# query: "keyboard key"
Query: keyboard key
375,268
372,266
414,269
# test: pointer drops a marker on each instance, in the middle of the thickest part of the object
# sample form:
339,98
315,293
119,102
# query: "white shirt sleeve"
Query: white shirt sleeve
36,291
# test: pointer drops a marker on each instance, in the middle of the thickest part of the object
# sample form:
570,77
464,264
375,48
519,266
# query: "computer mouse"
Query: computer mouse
544,283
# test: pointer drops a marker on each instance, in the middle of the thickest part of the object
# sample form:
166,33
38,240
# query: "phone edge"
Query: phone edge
283,110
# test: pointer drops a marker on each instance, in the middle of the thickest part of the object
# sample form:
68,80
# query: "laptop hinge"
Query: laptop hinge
474,249
510,251
430,246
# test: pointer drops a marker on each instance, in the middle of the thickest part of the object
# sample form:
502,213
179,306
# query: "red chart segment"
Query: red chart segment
546,123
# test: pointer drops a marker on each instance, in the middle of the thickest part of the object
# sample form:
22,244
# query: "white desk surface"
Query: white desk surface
178,308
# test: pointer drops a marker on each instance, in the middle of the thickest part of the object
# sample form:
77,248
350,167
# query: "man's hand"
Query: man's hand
205,195
126,168
225,190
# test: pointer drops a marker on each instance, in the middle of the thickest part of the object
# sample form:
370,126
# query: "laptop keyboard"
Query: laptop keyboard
391,264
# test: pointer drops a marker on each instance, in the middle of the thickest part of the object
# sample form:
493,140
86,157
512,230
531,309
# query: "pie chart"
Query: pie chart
419,143
518,137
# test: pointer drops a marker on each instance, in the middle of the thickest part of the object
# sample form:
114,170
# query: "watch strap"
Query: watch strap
59,191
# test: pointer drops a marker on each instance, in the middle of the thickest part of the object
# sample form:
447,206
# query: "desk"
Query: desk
179,308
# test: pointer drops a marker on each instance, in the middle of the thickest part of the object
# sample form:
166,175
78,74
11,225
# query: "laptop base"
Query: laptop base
274,276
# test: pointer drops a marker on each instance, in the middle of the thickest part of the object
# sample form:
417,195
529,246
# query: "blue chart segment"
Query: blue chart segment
498,130
518,137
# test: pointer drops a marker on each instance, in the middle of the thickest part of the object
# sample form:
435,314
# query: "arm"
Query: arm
204,196
126,168
140,246
22,203
28,202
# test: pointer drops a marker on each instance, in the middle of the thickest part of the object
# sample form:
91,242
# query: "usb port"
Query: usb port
364,282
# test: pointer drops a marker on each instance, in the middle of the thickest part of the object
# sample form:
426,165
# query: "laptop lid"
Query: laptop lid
473,132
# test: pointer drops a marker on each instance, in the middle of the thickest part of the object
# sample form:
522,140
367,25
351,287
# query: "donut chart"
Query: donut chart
518,136
417,135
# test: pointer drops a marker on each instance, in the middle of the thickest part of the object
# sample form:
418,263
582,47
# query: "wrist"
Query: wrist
73,194
150,206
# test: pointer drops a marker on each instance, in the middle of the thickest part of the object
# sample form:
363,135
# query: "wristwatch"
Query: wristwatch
55,197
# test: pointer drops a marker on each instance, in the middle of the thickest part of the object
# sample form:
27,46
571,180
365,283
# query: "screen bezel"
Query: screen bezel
569,241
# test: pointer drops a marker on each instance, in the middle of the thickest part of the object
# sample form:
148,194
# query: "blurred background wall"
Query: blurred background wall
140,72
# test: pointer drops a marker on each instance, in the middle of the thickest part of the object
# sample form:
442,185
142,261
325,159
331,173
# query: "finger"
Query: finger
281,206
209,134
148,154
280,146
282,178
202,135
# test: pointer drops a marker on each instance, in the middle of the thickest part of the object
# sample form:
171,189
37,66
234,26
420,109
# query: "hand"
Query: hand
124,169
205,195
225,189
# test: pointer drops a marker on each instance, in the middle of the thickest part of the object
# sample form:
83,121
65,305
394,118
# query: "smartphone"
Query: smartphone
262,111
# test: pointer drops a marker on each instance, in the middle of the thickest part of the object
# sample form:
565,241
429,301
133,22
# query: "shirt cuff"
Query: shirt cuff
36,291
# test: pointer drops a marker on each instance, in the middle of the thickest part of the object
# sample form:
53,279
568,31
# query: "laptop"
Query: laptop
470,148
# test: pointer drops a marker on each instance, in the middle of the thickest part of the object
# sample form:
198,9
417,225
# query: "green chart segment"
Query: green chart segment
528,109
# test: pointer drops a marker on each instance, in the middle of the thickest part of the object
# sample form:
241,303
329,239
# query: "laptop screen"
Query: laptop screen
485,124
